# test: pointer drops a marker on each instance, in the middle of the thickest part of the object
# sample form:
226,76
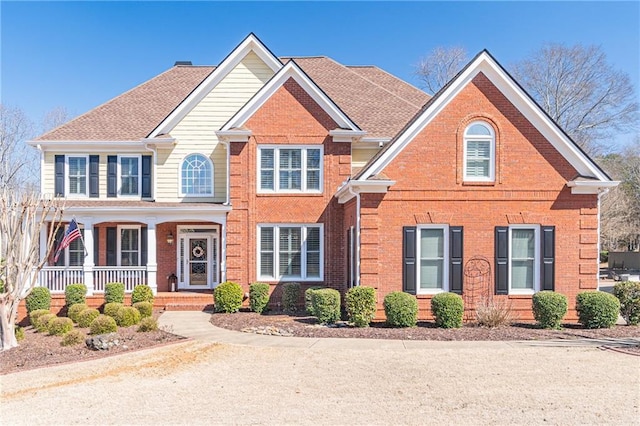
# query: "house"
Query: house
279,169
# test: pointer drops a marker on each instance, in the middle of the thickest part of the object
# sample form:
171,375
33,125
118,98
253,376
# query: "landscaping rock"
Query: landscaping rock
102,342
268,330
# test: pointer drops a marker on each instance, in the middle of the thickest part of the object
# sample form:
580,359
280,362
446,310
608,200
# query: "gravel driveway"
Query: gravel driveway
204,383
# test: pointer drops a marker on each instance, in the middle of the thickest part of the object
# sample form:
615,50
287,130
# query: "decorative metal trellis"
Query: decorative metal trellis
477,284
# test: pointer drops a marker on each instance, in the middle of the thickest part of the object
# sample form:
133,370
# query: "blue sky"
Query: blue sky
81,54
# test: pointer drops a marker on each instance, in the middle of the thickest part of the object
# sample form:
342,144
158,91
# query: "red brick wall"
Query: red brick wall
530,188
290,116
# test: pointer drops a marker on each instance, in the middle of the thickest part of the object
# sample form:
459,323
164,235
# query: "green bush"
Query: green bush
34,315
290,296
111,309
75,310
19,332
401,309
87,316
326,305
228,297
549,308
74,337
142,293
127,316
74,294
145,309
448,310
41,324
114,292
258,297
361,305
597,309
103,324
39,298
604,256
59,326
628,293
308,304
148,324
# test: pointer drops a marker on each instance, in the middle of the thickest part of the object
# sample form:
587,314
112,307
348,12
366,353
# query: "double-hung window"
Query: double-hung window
290,252
129,245
524,260
479,153
432,258
73,255
77,173
129,175
290,169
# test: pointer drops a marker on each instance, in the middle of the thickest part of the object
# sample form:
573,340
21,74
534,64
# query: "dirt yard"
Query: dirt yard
449,383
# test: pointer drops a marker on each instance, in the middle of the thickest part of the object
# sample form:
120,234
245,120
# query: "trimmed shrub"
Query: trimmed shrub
361,305
103,324
258,297
41,324
308,304
448,309
87,316
74,337
142,293
19,332
34,315
228,297
549,308
39,298
597,309
74,294
326,305
628,293
401,309
59,326
75,310
148,324
114,292
127,316
290,296
494,312
111,309
145,309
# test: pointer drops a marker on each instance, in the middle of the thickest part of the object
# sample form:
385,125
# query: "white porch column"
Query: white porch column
89,263
152,256
43,242
223,250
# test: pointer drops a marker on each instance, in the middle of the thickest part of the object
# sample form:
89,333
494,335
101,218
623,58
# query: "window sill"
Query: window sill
521,295
478,183
289,194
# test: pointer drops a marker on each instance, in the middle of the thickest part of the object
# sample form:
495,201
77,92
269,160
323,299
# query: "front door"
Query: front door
198,261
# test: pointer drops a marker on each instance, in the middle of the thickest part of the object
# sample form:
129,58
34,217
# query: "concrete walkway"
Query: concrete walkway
196,325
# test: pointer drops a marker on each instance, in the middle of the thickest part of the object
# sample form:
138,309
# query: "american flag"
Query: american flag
72,233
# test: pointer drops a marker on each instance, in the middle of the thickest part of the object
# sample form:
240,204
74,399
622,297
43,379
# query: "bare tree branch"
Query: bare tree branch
440,66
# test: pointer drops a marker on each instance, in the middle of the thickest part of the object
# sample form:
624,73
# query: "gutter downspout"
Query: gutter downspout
41,183
155,167
357,242
601,192
228,147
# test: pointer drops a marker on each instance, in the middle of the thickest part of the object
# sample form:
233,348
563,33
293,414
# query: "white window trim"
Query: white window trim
276,252
67,176
276,168
492,152
119,245
446,260
536,261
119,177
213,171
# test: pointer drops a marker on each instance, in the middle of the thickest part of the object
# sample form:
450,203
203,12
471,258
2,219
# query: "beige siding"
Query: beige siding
196,132
49,173
360,156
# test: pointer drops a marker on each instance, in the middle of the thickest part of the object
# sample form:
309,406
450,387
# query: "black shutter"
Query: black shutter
143,246
502,259
112,246
96,245
58,240
547,265
146,176
409,259
112,176
94,166
59,181
455,270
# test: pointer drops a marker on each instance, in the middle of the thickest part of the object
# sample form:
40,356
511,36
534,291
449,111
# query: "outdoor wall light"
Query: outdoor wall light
170,238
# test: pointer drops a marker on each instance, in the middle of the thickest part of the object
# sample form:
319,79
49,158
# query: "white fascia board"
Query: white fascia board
234,135
590,187
485,64
89,146
159,142
251,43
348,189
343,135
290,70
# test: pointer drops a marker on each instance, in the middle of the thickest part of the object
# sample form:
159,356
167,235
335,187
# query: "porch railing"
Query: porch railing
57,278
130,276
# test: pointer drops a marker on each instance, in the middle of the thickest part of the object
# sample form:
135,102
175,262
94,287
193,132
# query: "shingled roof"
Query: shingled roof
376,101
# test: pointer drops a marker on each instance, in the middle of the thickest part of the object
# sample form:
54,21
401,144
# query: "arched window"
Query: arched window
196,176
479,152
